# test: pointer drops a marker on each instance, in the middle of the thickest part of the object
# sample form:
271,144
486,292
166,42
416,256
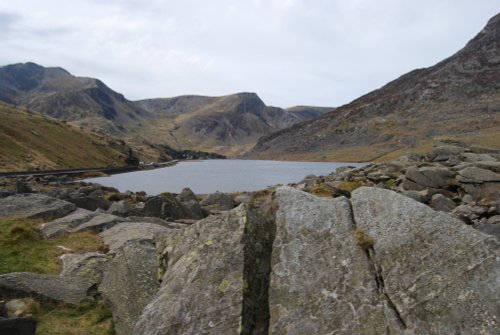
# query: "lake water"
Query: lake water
225,175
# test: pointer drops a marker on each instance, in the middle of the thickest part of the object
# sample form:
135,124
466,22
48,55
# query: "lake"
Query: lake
225,175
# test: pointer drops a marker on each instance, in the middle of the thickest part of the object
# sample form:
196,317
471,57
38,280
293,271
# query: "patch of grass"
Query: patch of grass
351,185
364,241
23,250
85,319
321,191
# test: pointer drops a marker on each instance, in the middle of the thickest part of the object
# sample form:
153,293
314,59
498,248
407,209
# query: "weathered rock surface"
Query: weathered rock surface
186,195
216,278
441,203
428,177
99,223
477,175
164,206
193,209
34,206
322,282
44,287
130,283
119,234
218,201
90,266
121,208
439,274
64,225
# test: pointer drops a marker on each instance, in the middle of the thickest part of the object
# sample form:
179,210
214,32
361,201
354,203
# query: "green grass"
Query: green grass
23,250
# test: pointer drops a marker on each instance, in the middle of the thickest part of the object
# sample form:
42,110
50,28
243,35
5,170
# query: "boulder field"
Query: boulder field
394,257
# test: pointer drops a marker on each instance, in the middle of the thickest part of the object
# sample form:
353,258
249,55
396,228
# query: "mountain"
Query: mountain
229,124
32,141
53,91
458,97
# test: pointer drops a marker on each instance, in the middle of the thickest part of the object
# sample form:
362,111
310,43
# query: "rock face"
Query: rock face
62,226
218,201
216,278
130,283
322,282
34,206
90,266
118,235
439,274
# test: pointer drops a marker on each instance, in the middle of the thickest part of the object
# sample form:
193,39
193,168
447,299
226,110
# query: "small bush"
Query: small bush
364,241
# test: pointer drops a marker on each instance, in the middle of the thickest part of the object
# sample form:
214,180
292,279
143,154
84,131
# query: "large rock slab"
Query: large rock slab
216,278
34,206
90,266
130,283
441,275
98,223
44,287
64,225
428,177
116,236
477,175
218,201
322,282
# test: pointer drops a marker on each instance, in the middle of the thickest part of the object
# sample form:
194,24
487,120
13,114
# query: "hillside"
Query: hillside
31,141
458,97
53,91
229,124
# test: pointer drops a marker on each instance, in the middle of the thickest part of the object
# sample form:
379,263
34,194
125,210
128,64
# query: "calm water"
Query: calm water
225,175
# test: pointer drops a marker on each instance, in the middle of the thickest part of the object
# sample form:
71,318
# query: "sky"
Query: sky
290,52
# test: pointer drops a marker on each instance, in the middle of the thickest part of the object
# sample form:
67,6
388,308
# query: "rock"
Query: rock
467,199
472,157
216,278
119,234
121,208
445,152
419,196
218,201
91,202
494,219
338,192
63,226
489,190
22,187
164,206
441,203
130,283
244,198
5,193
193,209
429,177
98,223
34,206
490,229
440,275
90,266
187,195
477,175
468,213
18,326
43,287
318,269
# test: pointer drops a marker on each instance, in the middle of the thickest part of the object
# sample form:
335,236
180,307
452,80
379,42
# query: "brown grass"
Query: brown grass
364,241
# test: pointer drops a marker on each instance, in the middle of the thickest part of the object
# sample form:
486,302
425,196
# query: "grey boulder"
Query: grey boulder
119,234
218,201
64,225
34,206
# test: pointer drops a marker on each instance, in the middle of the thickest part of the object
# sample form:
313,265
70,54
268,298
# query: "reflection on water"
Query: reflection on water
223,175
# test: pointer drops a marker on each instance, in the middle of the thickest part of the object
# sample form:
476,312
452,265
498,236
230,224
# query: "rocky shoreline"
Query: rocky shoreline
406,247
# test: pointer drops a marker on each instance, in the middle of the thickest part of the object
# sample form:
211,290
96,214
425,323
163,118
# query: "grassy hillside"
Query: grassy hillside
30,141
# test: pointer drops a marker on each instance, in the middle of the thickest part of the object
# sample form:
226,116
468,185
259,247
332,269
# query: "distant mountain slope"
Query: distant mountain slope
31,141
54,91
229,124
458,97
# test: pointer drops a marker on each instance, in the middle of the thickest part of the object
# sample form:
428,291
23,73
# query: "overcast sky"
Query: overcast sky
290,52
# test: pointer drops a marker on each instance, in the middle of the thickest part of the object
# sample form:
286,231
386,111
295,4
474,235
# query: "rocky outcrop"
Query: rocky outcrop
440,275
215,278
322,282
34,206
218,201
121,233
90,266
130,283
98,223
64,225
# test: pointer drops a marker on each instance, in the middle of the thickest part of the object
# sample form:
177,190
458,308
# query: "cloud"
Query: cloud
323,52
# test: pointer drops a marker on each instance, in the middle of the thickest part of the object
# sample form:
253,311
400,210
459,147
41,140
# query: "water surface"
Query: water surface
225,175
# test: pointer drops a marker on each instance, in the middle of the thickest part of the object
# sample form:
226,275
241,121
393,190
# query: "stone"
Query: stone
90,202
130,283
429,177
63,226
218,201
494,219
16,307
417,196
90,266
244,198
321,280
215,279
34,206
119,234
72,290
22,187
193,209
121,208
186,195
18,326
98,223
164,206
488,190
440,275
441,203
490,229
444,152
477,175
5,193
